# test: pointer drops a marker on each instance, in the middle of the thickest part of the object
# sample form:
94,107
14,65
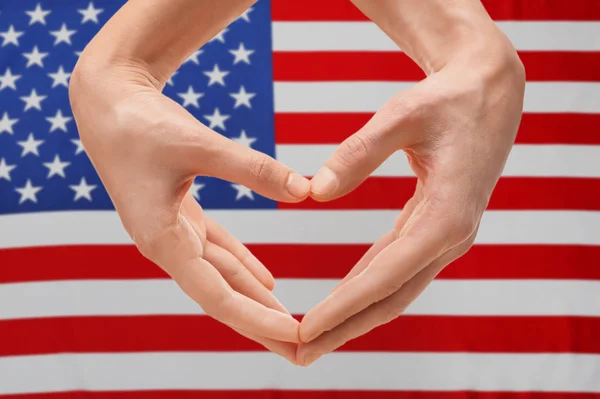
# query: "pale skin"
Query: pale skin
456,127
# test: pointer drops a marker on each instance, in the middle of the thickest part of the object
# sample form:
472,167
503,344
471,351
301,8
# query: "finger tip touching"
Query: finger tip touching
304,356
324,184
297,186
291,329
322,187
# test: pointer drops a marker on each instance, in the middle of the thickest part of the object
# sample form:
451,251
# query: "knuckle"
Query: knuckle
461,231
355,148
262,167
458,221
463,227
465,246
149,243
219,306
164,240
145,247
235,274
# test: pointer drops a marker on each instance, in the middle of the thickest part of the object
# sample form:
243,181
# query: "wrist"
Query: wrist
150,39
435,32
483,54
434,48
494,64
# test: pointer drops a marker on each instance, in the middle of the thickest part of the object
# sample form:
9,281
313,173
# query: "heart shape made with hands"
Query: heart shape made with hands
456,126
147,150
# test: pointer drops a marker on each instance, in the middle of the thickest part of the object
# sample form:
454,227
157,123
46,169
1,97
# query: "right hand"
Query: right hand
147,149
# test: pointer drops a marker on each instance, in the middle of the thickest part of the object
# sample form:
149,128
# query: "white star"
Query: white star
244,140
6,124
242,98
8,80
241,54
60,77
30,146
190,97
194,189
59,121
78,53
35,57
38,15
216,76
79,145
83,190
28,192
5,169
90,13
242,192
216,119
33,101
11,36
56,167
245,16
194,57
220,36
170,81
63,35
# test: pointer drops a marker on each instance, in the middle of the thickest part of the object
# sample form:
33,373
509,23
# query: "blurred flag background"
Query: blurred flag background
83,315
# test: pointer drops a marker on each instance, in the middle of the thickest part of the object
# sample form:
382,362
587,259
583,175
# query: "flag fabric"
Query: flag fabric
84,315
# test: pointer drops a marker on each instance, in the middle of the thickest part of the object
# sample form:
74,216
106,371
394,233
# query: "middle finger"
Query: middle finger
239,277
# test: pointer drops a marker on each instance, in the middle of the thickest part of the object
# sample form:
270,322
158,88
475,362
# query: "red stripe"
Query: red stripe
481,262
304,394
396,66
530,10
511,193
343,66
301,261
201,333
333,128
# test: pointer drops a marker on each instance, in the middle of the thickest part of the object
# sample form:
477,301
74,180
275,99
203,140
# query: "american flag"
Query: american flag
83,315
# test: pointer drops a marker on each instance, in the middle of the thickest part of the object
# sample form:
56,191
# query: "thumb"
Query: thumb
231,161
363,152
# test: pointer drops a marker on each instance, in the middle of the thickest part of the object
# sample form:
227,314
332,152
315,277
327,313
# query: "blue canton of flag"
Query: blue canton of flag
227,85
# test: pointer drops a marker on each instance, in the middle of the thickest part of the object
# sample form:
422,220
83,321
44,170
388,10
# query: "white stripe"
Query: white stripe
261,370
301,227
164,297
366,36
524,161
542,97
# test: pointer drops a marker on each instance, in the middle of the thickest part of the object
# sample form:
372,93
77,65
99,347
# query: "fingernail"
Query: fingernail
298,185
310,358
324,182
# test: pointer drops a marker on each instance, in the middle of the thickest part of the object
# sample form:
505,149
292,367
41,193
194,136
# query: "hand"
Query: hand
457,128
147,150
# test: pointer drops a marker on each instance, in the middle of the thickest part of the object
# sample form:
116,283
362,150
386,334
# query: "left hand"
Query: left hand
457,128
147,149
